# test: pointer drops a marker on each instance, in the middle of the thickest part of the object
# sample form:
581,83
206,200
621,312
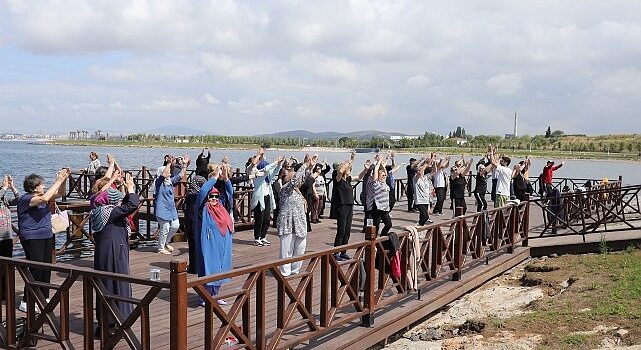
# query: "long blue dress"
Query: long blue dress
214,250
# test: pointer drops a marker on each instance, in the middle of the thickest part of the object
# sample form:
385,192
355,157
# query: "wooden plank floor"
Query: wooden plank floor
245,254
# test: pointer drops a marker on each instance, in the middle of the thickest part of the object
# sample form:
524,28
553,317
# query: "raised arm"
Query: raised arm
53,191
466,167
111,165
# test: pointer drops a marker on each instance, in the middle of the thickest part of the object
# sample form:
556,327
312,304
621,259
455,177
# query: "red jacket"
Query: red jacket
548,173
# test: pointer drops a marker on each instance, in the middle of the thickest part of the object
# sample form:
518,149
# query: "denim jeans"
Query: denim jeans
167,230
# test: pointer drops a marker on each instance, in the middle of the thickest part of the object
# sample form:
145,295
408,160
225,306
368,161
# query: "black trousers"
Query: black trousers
440,199
423,213
6,250
410,197
481,203
343,224
493,193
460,203
261,219
368,215
380,215
40,250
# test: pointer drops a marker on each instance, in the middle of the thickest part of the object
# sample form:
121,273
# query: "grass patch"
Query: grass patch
606,293
576,339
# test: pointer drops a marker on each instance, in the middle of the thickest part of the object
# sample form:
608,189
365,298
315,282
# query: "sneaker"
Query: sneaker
344,256
164,251
231,341
265,241
221,302
258,242
429,221
23,306
169,248
202,303
338,257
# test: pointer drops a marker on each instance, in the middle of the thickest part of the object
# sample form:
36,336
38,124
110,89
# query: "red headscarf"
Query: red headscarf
219,214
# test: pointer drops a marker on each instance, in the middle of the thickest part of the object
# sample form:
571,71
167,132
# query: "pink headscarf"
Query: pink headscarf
219,214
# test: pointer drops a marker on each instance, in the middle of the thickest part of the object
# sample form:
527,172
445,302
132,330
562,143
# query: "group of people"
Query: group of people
428,182
287,194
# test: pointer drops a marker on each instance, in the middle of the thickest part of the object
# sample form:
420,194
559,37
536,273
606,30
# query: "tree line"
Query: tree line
550,141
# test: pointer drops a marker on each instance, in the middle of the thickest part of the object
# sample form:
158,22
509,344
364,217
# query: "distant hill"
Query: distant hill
365,134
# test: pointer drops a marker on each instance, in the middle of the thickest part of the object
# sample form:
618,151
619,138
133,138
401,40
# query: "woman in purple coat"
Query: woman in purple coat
111,234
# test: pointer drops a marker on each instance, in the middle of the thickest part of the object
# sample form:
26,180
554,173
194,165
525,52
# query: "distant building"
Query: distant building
509,136
403,137
459,141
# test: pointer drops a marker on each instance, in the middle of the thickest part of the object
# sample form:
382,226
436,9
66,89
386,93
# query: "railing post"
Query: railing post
458,244
9,293
367,320
512,227
526,220
178,305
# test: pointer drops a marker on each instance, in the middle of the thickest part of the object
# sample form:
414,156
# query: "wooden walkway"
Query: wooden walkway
351,335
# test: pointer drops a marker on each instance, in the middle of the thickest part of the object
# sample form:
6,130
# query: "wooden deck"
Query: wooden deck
351,335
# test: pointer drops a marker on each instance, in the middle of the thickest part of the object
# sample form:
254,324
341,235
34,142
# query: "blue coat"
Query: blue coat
164,203
213,249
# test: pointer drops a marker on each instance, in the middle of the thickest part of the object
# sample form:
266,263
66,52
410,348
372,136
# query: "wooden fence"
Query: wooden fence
270,311
329,293
602,208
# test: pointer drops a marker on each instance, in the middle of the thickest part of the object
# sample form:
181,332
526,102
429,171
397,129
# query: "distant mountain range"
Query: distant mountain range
365,134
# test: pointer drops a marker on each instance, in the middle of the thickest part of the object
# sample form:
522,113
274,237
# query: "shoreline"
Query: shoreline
627,158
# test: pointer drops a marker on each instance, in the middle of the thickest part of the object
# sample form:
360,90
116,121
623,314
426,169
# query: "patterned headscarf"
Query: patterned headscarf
100,214
196,183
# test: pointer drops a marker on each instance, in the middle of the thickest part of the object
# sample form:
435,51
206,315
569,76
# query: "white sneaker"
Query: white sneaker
164,251
169,248
265,241
23,306
258,242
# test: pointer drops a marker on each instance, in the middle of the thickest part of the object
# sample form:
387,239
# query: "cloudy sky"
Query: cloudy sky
249,67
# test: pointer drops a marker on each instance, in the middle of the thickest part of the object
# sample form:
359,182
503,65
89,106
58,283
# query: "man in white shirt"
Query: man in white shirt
504,177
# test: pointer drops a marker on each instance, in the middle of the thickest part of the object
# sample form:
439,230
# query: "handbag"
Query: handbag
59,221
395,265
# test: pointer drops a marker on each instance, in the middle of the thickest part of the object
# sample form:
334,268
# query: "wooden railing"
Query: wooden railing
269,310
601,208
328,293
89,282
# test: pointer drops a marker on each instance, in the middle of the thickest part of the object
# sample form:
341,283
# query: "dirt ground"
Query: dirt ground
568,302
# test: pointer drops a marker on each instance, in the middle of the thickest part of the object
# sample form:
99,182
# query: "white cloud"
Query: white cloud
209,98
418,81
371,112
505,84
161,105
626,82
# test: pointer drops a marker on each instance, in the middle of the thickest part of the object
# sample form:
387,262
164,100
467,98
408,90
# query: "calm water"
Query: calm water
20,159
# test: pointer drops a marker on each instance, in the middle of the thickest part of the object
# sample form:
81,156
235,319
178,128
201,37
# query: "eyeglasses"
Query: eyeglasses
213,196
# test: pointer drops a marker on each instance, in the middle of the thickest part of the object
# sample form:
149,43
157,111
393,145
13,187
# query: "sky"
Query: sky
255,67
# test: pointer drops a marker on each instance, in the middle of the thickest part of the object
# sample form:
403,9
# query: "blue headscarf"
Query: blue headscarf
261,165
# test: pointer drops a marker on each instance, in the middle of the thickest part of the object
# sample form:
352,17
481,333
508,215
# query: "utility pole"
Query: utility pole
516,125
